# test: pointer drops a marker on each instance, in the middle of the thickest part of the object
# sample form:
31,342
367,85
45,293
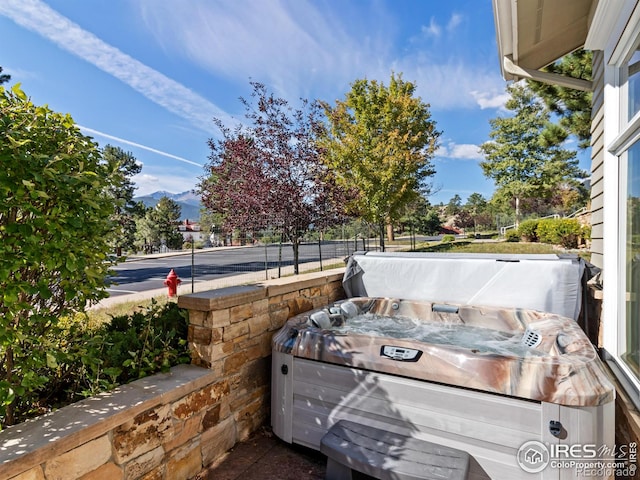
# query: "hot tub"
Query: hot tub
484,379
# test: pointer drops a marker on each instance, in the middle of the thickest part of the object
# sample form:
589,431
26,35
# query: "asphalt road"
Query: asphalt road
141,274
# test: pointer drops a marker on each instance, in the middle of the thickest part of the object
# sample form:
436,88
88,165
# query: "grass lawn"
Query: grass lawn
467,246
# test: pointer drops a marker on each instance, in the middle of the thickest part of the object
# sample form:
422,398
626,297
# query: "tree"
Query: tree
4,78
54,230
158,226
521,158
454,205
125,209
422,217
270,173
571,105
380,141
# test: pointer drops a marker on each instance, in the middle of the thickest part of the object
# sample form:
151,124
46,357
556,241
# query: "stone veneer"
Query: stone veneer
170,426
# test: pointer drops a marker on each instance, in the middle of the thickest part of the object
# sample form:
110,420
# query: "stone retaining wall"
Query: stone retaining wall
230,333
158,427
170,426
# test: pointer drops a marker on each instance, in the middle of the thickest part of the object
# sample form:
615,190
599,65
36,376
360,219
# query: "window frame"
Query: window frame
621,134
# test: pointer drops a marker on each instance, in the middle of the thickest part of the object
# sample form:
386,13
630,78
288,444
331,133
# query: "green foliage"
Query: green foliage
448,238
422,218
522,158
125,211
528,230
158,226
4,78
380,142
454,206
86,360
512,236
55,227
571,105
561,231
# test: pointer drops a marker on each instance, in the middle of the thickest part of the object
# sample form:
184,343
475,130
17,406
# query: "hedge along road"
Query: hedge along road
143,273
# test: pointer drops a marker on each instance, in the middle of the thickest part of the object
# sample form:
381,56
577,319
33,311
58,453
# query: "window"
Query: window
629,334
622,324
633,85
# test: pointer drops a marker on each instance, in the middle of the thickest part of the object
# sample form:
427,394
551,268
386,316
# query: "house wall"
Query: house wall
171,426
627,416
597,158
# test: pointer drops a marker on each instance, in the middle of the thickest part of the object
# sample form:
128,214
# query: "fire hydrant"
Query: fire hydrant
172,283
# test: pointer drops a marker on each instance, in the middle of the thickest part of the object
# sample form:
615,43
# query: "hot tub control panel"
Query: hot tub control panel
402,354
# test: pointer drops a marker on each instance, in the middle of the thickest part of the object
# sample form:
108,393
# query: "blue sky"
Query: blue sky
149,75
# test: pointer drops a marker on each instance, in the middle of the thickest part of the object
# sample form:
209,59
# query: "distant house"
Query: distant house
190,231
535,33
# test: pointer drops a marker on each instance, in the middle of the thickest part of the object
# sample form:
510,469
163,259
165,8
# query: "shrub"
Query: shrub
87,359
512,236
55,234
448,238
528,230
186,246
560,231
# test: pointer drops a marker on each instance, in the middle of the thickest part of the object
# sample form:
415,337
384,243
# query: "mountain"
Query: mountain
189,202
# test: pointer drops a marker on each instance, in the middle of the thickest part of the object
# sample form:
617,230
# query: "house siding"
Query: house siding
597,158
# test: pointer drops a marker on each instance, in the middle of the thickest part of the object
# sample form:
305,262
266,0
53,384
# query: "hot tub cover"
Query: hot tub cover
547,283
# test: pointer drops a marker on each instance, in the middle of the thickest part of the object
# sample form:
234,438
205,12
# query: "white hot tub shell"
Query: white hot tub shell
532,375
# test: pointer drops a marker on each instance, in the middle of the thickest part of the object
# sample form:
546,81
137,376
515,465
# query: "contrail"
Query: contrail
134,144
175,97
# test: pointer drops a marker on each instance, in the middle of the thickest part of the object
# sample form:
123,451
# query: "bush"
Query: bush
512,236
560,231
528,230
56,230
86,360
448,238
186,246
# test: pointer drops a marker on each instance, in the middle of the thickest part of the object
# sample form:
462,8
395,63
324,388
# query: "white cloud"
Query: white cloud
147,183
433,30
296,47
287,44
451,85
175,97
490,98
454,21
463,151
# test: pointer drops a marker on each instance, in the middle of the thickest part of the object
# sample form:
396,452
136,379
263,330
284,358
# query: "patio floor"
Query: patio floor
266,457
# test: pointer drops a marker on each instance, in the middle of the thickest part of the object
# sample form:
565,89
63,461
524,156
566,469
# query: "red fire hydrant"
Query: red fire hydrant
172,283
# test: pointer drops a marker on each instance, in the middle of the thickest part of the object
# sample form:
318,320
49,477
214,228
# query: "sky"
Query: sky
149,76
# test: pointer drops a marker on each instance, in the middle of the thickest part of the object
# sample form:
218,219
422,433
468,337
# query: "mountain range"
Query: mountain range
189,202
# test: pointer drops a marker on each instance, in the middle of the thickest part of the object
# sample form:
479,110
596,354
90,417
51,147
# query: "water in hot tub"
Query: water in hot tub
476,339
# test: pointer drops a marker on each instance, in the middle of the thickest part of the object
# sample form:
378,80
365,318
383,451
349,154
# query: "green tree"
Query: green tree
54,229
472,213
4,78
422,217
125,209
573,107
380,140
159,226
521,159
454,205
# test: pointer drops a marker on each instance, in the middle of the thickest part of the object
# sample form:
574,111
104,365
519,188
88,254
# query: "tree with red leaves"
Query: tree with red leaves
270,173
